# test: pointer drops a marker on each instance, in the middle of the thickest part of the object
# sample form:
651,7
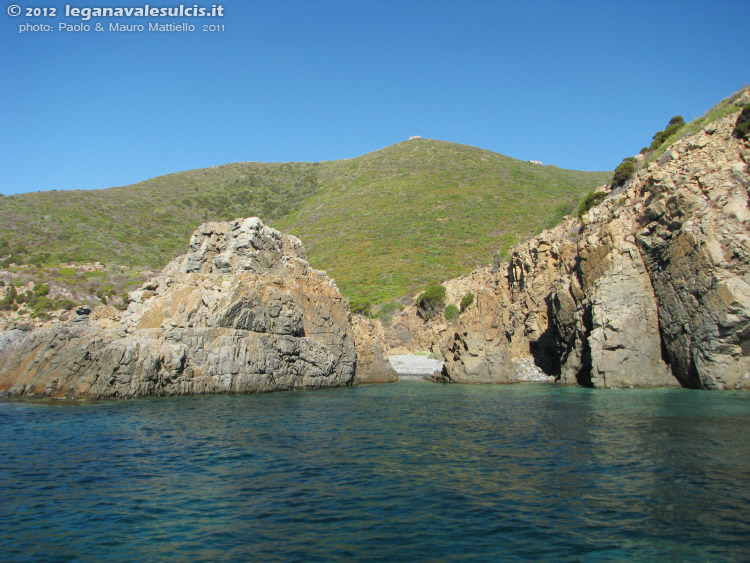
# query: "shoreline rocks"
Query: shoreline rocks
650,288
372,361
241,312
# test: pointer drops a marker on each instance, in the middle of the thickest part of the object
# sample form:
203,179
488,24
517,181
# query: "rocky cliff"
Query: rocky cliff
372,359
241,312
649,288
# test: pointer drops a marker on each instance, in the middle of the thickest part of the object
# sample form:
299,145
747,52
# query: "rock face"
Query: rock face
650,288
372,360
241,312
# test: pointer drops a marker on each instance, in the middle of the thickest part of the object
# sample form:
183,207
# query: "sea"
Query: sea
410,471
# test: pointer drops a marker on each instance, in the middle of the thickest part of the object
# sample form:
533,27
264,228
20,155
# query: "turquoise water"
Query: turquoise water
409,471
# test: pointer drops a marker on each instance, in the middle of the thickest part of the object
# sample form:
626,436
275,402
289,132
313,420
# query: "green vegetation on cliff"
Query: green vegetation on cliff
678,129
431,301
742,127
383,224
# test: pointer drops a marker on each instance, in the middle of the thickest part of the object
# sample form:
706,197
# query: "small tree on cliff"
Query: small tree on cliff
467,300
623,172
674,125
431,302
742,127
451,313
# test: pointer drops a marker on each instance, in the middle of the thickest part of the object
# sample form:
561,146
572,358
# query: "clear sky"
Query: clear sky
576,84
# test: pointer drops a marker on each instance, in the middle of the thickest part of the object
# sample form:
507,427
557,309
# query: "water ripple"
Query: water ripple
380,473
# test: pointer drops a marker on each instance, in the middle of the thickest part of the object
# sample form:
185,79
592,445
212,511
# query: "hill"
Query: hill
382,224
422,210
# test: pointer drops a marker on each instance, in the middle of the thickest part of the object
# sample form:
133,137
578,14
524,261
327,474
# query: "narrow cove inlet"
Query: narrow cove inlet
230,407
375,281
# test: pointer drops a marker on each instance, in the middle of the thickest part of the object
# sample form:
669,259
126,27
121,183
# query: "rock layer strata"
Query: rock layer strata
649,288
241,312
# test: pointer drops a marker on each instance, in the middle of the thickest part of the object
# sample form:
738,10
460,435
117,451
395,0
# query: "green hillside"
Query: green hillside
148,224
382,224
420,211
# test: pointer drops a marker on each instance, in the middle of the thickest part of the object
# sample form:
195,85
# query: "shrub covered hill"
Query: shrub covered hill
383,224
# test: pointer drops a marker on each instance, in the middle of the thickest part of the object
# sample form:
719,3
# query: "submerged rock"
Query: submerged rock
241,312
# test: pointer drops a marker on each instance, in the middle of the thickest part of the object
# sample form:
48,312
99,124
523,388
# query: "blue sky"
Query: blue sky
575,84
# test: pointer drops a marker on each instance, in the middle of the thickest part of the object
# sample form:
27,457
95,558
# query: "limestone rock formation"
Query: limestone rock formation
242,311
650,288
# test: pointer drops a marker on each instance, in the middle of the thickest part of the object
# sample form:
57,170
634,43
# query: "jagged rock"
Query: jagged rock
651,288
241,312
408,332
372,358
471,358
698,256
616,339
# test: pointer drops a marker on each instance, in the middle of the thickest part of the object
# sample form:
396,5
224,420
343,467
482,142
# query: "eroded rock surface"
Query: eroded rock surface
650,288
372,360
241,312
